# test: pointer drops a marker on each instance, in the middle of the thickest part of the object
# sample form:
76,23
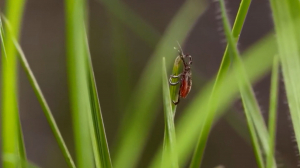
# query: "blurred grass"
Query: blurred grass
169,151
140,112
11,133
78,83
287,23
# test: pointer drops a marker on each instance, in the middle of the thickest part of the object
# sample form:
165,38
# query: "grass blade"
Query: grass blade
273,112
41,99
10,117
287,23
141,110
174,89
170,152
101,151
78,83
237,28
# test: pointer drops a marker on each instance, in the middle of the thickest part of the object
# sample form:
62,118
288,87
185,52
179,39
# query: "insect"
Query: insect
185,78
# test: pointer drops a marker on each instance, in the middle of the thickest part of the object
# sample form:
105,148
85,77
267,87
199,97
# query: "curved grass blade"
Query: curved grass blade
78,81
190,123
101,151
11,132
41,99
237,28
273,112
140,112
169,152
287,23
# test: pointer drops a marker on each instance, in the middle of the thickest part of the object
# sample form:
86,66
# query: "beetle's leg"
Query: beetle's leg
190,57
173,84
174,76
178,100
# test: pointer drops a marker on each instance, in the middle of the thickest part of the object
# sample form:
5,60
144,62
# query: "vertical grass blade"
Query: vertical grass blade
170,152
287,20
78,83
175,89
140,113
10,116
273,112
101,150
237,28
40,97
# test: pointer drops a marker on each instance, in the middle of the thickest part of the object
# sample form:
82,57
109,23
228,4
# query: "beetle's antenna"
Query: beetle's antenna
180,48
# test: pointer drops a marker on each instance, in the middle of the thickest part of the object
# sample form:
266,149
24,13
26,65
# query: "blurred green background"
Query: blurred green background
119,55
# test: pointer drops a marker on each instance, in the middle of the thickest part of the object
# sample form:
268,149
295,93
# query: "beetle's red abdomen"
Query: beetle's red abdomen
185,87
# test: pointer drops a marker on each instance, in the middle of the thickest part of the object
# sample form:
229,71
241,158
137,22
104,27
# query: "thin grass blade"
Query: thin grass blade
101,150
170,152
273,112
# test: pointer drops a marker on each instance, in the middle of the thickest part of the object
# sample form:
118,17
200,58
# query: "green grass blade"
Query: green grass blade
140,113
132,20
287,32
41,99
273,112
78,83
101,151
237,28
21,145
188,126
10,116
170,152
175,89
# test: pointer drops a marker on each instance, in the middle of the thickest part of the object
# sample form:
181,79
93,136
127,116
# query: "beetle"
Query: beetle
185,77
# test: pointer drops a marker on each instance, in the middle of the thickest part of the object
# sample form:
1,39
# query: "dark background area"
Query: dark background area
43,41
